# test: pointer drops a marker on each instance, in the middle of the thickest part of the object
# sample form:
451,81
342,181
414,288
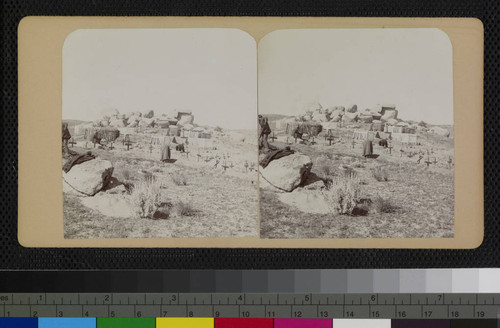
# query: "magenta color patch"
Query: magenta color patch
302,323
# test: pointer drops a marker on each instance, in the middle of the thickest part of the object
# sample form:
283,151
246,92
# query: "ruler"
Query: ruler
252,305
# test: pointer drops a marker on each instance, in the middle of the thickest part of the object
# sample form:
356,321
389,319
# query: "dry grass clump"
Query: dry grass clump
381,174
342,194
184,209
146,198
382,205
179,179
324,167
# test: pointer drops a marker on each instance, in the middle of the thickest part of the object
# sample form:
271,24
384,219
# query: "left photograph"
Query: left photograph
159,133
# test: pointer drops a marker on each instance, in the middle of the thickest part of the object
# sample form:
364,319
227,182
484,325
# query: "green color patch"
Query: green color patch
125,322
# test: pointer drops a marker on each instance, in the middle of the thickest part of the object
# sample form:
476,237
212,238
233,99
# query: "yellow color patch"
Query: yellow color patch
184,323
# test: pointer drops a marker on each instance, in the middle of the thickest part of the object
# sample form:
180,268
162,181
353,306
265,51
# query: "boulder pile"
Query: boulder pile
147,119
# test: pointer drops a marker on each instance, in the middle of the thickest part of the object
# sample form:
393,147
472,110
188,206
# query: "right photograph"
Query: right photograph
356,134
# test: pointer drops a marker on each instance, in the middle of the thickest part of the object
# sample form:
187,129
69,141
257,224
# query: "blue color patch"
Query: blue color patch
67,323
18,322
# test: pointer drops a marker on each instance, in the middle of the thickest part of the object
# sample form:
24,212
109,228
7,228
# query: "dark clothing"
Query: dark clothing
383,143
297,134
367,148
275,155
65,138
180,148
265,131
165,153
78,159
65,134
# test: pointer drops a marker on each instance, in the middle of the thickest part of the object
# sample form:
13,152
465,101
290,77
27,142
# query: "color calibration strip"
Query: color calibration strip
241,323
256,281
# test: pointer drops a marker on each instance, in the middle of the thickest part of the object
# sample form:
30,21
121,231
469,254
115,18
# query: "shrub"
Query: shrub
381,174
146,198
179,179
126,174
184,209
342,194
382,205
324,167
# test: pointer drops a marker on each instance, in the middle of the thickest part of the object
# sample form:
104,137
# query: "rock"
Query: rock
366,118
133,119
180,113
173,121
119,123
104,123
188,127
308,201
440,131
109,112
376,116
89,177
392,121
148,114
313,182
287,173
377,109
336,119
146,122
321,117
133,124
349,117
162,123
390,113
337,112
118,190
186,119
352,109
129,115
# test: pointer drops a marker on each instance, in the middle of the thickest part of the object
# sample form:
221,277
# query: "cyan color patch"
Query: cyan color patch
67,322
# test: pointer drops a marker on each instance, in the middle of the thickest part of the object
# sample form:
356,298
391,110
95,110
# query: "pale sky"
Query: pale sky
411,68
212,72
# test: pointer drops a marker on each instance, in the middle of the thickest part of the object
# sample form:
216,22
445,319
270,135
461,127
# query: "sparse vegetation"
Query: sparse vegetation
324,167
342,194
146,197
179,179
380,174
184,209
382,205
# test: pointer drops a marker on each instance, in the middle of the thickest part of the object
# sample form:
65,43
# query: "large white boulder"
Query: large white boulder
119,123
288,172
146,122
185,119
349,117
321,117
440,131
390,113
89,177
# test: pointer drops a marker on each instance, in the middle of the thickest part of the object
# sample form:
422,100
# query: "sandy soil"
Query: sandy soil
421,197
222,202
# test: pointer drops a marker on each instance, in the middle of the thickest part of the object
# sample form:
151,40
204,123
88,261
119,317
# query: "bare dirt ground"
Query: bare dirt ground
421,198
202,200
